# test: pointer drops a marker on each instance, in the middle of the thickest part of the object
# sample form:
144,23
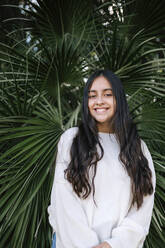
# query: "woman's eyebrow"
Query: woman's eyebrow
108,89
96,90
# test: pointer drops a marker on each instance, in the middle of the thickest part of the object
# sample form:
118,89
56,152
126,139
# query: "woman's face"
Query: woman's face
101,103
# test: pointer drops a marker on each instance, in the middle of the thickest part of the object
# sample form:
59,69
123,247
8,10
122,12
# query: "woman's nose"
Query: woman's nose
99,100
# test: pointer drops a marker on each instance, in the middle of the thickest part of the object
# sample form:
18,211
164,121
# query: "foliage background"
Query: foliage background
47,50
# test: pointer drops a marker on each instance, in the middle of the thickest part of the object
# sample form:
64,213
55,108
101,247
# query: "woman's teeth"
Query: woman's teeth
101,110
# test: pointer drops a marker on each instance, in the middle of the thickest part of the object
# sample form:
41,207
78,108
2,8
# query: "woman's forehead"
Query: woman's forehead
100,84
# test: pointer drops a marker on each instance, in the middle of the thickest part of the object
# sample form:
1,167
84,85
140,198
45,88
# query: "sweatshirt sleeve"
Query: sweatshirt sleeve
66,214
133,229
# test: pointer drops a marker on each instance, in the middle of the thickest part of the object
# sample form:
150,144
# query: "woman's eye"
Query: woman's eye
92,96
108,94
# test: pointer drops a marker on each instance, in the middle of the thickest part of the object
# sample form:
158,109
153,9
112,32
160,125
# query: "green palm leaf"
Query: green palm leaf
41,87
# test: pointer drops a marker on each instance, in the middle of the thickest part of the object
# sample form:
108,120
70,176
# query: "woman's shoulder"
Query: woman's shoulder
144,146
70,133
65,142
147,154
68,136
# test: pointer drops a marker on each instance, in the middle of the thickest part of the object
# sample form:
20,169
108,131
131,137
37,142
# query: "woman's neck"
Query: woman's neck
105,129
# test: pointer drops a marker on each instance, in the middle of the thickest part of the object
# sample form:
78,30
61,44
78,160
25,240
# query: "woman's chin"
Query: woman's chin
101,121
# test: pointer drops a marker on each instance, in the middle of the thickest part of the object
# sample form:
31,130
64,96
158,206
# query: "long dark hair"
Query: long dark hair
84,150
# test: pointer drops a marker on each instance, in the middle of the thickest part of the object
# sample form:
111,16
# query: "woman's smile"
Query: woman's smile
101,110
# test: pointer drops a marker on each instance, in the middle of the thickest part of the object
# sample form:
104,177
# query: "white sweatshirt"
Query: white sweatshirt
80,223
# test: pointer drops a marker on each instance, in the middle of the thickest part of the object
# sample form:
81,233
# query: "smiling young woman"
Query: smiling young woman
103,190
